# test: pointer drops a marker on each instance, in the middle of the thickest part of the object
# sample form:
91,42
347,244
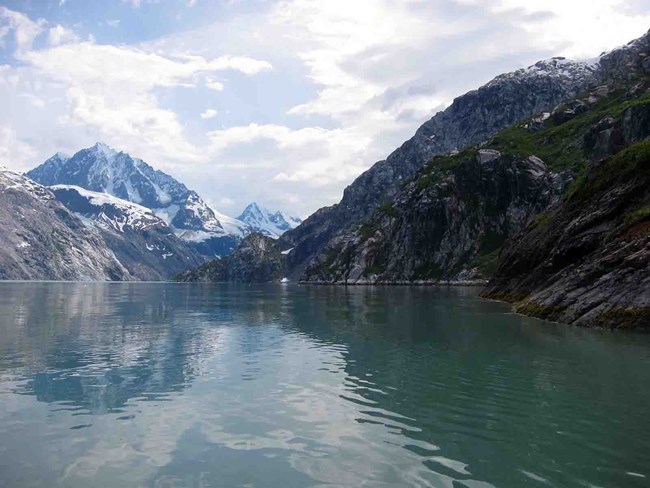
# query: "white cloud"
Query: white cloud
579,28
25,30
344,84
135,3
209,114
113,23
112,90
60,35
14,153
133,69
213,84
285,137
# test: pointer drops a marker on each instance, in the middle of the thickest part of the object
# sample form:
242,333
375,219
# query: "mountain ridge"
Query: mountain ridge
140,240
105,170
267,222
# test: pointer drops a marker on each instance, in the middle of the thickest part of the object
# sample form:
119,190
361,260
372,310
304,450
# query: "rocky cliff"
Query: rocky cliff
255,260
446,225
499,159
42,240
587,261
470,119
140,240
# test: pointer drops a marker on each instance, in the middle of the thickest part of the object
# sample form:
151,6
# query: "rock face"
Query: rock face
446,225
587,262
440,206
140,240
470,119
42,240
256,260
271,224
104,170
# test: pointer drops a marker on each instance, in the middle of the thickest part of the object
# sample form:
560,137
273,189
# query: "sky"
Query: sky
280,102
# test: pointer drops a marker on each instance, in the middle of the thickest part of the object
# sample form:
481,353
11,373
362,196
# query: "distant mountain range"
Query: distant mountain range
266,222
102,169
104,215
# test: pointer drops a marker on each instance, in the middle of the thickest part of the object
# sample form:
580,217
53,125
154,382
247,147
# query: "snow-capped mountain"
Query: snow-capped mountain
272,224
106,210
105,170
140,240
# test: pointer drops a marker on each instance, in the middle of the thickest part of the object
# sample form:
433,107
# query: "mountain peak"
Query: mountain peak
60,156
252,206
102,169
104,149
264,221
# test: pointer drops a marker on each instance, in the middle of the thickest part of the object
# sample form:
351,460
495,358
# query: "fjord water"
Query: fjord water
152,384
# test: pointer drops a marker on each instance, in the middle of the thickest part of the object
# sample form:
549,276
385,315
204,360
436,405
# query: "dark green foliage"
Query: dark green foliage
559,145
543,219
366,231
638,215
491,242
622,166
429,271
389,210
487,263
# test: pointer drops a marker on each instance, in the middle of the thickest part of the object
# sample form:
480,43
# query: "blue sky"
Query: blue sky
282,102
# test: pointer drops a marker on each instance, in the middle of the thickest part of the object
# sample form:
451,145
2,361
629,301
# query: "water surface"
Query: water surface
135,384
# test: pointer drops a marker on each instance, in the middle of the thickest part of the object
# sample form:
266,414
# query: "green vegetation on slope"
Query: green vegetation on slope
558,142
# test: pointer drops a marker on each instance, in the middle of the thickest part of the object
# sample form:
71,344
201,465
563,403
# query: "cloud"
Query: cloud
209,114
58,35
113,92
579,28
310,93
213,84
137,3
14,153
25,30
134,69
284,136
113,23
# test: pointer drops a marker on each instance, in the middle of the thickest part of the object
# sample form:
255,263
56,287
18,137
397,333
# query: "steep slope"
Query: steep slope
42,240
104,170
256,260
443,223
448,219
140,240
449,222
587,262
271,224
471,118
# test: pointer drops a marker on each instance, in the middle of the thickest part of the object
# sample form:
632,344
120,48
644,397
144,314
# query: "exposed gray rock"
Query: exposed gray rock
386,229
140,240
255,260
587,262
42,240
472,118
442,224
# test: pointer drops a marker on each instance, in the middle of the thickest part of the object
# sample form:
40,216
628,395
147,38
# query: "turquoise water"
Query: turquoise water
136,384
